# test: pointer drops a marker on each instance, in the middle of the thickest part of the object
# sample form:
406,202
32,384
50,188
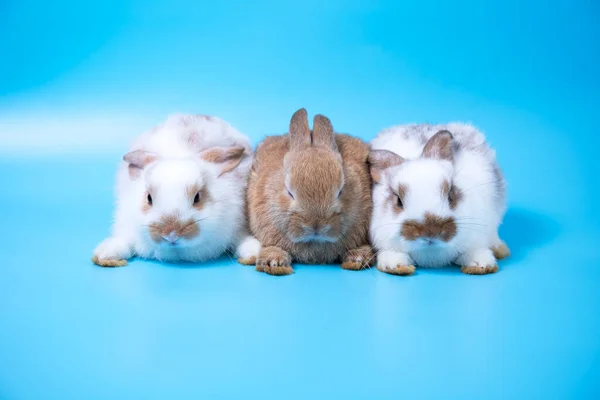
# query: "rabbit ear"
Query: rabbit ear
299,131
138,160
323,133
439,147
380,160
227,157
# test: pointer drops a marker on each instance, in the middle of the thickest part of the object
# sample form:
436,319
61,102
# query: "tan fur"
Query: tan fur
108,262
138,160
380,160
172,223
488,269
247,261
358,259
228,157
501,251
204,195
403,270
439,146
316,174
432,227
274,261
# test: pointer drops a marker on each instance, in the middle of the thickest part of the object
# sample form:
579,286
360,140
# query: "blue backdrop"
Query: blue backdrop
78,80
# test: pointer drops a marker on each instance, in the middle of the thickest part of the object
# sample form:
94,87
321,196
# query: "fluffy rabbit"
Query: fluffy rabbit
439,197
180,193
309,199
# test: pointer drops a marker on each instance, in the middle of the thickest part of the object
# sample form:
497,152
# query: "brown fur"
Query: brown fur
204,195
138,160
432,227
403,270
228,157
488,269
316,177
171,223
380,160
274,261
439,147
108,262
501,251
453,194
358,259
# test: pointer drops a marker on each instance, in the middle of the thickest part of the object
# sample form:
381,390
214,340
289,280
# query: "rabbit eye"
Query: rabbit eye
149,198
290,194
197,198
399,202
340,193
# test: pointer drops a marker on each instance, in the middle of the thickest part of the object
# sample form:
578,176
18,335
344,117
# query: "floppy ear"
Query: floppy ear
439,147
380,160
226,157
299,131
138,160
323,133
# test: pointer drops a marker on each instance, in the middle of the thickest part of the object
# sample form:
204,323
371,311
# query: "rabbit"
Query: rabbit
439,197
180,193
309,199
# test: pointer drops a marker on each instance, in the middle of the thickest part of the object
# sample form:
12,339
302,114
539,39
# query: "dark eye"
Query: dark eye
340,192
399,202
197,198
290,194
149,199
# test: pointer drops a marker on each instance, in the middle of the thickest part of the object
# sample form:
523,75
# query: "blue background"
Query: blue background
78,80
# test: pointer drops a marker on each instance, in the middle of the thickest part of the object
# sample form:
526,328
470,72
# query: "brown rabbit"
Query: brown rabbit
309,198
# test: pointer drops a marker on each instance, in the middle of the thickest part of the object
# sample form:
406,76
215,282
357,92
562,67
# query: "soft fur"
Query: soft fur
439,197
309,198
194,168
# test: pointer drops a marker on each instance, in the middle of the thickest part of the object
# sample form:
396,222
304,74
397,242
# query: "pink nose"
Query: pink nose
171,237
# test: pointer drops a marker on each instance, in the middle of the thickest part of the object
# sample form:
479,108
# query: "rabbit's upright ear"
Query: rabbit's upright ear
299,131
138,160
439,147
323,135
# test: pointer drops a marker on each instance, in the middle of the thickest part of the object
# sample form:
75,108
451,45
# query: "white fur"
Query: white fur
478,215
177,143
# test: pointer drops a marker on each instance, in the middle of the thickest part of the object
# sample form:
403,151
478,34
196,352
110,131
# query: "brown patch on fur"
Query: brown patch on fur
432,227
274,261
247,261
501,251
191,192
138,160
439,147
402,270
171,223
379,160
228,157
488,269
269,215
452,193
108,262
359,258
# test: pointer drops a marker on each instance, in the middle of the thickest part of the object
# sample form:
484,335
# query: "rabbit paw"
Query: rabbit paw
359,258
501,251
395,263
112,252
478,262
274,261
248,250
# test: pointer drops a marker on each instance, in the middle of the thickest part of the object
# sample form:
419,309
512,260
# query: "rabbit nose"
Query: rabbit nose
171,237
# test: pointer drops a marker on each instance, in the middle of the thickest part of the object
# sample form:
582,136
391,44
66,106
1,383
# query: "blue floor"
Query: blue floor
80,80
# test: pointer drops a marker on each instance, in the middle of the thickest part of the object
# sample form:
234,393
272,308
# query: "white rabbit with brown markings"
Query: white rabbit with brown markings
438,198
180,193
